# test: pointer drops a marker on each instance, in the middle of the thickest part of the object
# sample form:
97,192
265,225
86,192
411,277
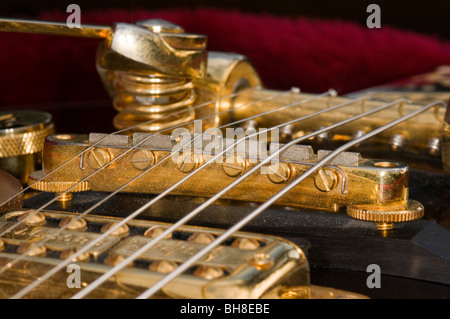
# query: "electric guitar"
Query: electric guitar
211,186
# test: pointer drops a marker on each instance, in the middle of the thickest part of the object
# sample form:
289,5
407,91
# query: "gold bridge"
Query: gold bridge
348,181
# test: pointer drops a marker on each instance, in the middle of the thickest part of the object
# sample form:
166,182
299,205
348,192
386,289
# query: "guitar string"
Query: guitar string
123,154
183,220
122,131
10,264
131,216
23,255
236,226
183,267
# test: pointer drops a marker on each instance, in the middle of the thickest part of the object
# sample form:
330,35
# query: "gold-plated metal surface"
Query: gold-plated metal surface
31,249
69,252
23,132
58,240
22,135
32,219
226,272
319,292
349,180
157,75
54,28
55,186
412,135
155,72
73,223
326,180
149,69
35,179
385,219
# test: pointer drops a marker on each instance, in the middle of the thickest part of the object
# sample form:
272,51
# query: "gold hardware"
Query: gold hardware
434,146
163,266
201,238
351,180
54,28
66,239
31,249
161,71
187,162
69,252
72,223
122,231
142,159
234,165
22,135
385,219
148,68
153,232
319,292
280,172
113,259
32,219
410,135
224,273
208,272
64,197
397,142
301,292
245,243
36,181
326,180
98,157
261,261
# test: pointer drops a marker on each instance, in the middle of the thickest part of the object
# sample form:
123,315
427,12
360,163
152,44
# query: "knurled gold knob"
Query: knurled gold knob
23,132
385,219
22,135
59,187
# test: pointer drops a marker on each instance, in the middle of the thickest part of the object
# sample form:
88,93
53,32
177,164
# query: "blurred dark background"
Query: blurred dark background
431,17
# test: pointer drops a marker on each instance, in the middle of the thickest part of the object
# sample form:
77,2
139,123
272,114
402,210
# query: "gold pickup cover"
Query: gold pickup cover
245,266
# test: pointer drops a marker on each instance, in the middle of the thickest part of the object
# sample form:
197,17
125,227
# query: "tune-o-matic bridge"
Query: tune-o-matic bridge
350,181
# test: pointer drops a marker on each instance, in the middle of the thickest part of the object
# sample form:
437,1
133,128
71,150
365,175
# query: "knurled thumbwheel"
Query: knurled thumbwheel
23,132
22,135
385,219
59,187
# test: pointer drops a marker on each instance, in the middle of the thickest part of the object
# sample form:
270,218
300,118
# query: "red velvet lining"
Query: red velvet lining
311,54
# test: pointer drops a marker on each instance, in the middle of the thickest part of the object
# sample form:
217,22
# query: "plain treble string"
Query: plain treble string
82,250
183,267
211,200
10,264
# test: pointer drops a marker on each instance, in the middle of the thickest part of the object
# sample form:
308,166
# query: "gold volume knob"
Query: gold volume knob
385,219
22,135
